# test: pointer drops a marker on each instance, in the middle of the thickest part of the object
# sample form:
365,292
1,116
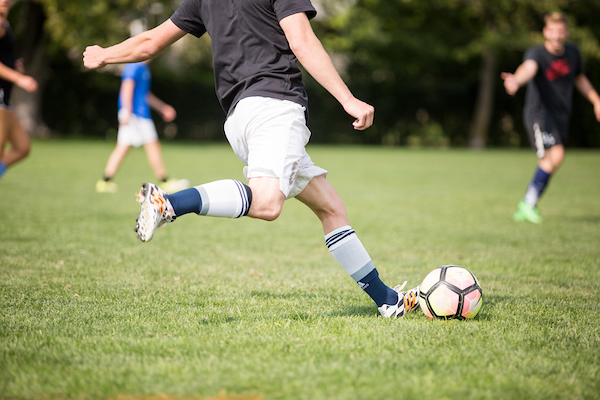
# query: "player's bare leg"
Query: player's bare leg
155,159
14,134
552,159
112,166
154,155
321,197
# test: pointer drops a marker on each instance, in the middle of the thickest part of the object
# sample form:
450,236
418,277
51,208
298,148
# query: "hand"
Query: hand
510,83
27,83
363,112
92,57
124,115
168,113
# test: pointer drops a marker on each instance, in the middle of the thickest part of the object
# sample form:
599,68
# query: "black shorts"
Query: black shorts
4,98
544,133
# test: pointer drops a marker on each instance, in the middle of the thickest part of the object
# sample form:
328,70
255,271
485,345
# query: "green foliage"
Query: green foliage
75,25
403,56
243,308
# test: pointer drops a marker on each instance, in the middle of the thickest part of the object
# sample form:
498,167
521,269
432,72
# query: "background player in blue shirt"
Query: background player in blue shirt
550,71
136,128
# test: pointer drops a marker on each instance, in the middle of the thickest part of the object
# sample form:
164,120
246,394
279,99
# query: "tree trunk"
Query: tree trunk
31,47
485,101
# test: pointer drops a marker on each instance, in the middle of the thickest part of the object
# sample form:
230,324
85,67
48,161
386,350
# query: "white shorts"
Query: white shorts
269,136
137,132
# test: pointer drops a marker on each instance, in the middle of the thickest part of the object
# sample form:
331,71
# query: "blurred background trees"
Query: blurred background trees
430,68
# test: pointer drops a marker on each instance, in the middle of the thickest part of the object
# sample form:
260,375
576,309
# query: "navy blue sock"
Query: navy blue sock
186,201
379,292
537,186
541,180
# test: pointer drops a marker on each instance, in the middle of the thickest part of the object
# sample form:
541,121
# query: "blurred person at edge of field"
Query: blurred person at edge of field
11,73
136,128
256,46
550,71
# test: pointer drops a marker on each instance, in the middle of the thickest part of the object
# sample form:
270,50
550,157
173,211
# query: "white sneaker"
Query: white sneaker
175,185
155,213
407,302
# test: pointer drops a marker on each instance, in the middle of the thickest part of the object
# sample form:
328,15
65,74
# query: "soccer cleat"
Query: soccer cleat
526,212
103,186
407,302
175,185
155,213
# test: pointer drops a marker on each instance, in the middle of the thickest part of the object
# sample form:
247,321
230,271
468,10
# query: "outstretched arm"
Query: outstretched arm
523,74
583,84
313,57
141,47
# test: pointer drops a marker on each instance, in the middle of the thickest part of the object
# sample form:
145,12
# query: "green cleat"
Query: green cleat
527,213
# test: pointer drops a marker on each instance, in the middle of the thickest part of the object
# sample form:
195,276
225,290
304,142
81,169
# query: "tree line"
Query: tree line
430,68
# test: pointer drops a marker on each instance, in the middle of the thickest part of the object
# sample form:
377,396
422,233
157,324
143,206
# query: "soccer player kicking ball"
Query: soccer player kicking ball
256,46
550,70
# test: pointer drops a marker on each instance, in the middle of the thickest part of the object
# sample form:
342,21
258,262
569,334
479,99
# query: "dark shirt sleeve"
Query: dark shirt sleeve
187,18
285,8
532,54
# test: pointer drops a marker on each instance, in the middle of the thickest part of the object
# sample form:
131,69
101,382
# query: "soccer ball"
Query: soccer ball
450,292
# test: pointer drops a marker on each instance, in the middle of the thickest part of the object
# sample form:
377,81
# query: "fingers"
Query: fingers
364,122
363,112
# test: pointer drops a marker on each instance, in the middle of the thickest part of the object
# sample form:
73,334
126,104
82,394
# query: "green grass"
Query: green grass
251,309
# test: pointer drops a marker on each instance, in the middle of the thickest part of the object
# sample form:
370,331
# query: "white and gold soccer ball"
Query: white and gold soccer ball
450,292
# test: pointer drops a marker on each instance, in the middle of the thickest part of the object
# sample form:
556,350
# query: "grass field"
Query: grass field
246,309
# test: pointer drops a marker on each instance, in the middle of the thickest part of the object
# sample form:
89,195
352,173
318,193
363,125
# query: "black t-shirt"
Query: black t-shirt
251,56
8,56
550,92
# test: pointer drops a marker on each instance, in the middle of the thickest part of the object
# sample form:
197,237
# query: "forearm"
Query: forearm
9,74
584,86
135,49
155,103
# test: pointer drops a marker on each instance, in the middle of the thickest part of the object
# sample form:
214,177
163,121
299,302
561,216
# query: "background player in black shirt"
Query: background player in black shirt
550,71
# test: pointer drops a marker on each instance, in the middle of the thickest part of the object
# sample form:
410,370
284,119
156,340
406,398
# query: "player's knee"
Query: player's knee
25,150
267,212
